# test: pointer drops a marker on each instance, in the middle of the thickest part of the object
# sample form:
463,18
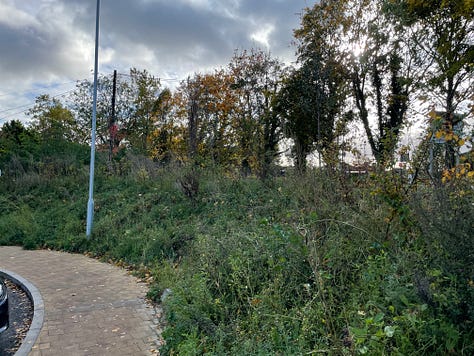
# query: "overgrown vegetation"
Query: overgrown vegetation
249,259
299,264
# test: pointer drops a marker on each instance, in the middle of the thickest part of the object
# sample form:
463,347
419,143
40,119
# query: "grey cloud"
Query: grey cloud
167,37
172,29
26,53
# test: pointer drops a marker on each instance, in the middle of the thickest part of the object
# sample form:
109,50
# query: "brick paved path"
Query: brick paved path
91,308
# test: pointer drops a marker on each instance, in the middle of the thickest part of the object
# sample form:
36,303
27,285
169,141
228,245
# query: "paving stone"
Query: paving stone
91,308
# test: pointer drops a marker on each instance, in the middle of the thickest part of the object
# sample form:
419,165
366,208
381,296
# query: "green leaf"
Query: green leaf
359,333
404,300
379,317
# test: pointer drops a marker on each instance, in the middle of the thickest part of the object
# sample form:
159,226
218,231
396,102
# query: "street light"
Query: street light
90,203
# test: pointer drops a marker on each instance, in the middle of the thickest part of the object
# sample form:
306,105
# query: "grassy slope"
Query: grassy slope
296,265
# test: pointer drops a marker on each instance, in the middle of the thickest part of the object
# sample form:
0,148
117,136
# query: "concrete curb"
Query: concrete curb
38,311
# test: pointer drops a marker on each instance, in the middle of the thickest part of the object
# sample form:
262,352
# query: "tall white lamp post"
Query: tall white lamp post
90,203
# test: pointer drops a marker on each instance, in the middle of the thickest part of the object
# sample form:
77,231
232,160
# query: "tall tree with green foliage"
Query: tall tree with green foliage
381,75
136,99
355,38
296,112
52,120
16,142
80,103
442,34
317,87
145,89
12,134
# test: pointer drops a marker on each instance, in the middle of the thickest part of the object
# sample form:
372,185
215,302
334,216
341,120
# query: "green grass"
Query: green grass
291,266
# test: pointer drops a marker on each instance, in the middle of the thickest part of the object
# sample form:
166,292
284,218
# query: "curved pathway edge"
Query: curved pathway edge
38,311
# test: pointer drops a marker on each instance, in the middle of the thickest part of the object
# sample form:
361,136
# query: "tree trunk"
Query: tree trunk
300,157
360,99
192,127
450,155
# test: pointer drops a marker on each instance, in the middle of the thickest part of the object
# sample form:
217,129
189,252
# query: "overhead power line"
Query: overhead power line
28,106
32,91
163,79
37,92
15,108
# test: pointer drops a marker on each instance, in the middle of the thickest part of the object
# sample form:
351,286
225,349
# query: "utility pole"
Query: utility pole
112,125
90,203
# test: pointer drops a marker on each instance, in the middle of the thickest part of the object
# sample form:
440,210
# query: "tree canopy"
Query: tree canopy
364,62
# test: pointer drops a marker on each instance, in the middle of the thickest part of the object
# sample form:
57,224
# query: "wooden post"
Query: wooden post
112,126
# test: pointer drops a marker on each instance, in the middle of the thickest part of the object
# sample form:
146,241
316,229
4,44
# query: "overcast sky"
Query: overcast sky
46,45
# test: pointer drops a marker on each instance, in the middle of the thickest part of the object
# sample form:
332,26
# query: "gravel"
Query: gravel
21,314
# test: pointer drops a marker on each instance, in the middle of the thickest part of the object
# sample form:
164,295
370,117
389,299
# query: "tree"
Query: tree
318,87
443,45
80,103
52,120
207,104
135,102
161,145
144,91
296,112
16,139
218,106
357,37
382,72
13,133
257,80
